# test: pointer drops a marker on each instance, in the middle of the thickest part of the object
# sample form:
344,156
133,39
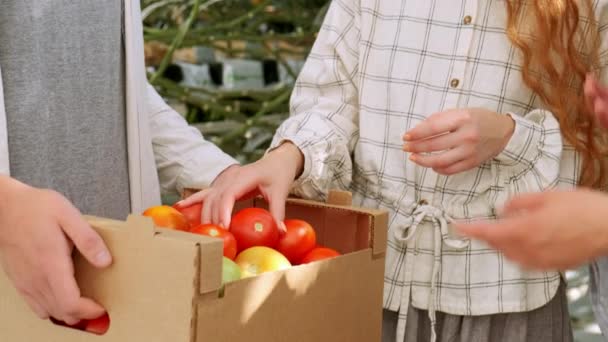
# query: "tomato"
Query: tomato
99,325
319,253
299,239
230,271
167,217
254,227
258,260
191,213
230,244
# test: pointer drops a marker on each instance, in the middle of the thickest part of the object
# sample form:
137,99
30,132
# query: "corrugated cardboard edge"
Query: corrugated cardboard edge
196,286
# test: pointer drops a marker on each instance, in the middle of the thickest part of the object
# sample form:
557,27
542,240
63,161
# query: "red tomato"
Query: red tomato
99,325
192,213
254,227
212,230
299,239
167,217
319,253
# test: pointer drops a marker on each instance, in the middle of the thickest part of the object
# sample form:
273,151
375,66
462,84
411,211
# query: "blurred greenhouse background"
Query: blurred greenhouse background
228,66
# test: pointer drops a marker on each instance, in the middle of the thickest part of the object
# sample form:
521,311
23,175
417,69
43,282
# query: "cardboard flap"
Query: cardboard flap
210,250
141,226
210,261
337,197
149,290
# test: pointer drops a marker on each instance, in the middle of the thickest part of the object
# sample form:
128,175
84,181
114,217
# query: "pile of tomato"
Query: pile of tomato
253,244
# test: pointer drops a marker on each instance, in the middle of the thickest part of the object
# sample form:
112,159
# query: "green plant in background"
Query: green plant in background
252,52
229,66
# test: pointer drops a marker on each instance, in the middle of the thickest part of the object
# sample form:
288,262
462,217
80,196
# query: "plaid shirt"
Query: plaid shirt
379,68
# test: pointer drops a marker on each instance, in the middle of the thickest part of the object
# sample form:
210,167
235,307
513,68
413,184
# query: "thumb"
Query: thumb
85,238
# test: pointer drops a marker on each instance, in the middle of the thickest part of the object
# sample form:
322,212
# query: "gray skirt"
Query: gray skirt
550,323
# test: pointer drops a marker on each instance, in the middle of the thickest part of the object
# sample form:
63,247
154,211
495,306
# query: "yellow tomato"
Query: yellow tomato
257,260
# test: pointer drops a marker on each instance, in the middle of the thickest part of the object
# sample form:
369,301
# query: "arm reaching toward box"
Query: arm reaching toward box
38,231
315,144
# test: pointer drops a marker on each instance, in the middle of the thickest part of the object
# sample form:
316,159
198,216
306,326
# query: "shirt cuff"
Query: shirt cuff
533,134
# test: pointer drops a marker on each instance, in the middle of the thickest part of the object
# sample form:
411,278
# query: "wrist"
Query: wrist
289,155
225,171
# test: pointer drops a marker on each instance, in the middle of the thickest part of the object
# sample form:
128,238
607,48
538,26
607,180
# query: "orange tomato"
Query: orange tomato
167,217
258,260
230,244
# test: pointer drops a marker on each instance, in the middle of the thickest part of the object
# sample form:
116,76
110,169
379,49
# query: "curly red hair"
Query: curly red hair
556,59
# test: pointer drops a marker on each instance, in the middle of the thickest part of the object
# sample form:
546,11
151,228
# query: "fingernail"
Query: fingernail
407,137
413,157
407,147
103,258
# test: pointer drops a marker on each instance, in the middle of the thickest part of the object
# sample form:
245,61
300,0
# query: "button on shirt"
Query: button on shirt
378,69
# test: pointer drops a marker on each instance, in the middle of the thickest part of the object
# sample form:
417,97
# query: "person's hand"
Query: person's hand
597,98
551,230
458,140
271,176
38,231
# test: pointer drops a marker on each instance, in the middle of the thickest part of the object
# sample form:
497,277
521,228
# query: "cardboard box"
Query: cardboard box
164,286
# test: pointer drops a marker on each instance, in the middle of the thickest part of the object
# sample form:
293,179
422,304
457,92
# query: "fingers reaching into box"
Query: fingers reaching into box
270,177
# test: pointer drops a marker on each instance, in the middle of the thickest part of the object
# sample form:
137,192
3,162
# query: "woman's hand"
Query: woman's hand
271,176
458,140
